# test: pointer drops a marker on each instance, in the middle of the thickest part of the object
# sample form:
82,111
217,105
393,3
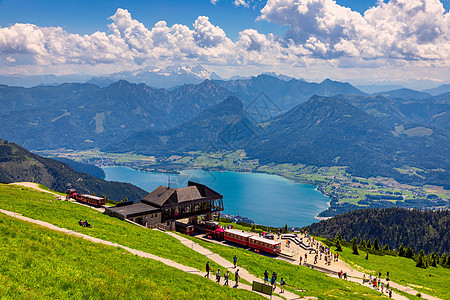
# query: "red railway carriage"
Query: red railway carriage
85,198
184,228
236,236
94,200
252,241
214,230
264,244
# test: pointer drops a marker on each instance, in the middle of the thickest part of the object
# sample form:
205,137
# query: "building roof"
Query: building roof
167,197
134,210
238,232
264,240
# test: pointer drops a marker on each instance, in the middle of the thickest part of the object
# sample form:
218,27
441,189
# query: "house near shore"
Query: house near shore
165,205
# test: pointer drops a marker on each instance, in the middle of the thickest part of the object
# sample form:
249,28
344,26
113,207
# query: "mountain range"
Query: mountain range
83,116
274,120
18,164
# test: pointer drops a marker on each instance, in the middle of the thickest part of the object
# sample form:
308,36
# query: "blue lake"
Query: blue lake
266,199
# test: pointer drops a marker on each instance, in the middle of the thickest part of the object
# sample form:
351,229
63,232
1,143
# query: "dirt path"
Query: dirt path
165,261
226,264
36,187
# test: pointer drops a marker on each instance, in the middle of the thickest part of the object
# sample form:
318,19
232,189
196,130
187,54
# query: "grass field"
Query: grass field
43,206
314,283
38,263
431,281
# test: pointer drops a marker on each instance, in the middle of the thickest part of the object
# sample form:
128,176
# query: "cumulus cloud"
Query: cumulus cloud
402,29
320,32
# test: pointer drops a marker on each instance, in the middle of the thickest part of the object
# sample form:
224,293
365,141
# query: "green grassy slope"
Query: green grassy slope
43,206
39,263
431,281
314,283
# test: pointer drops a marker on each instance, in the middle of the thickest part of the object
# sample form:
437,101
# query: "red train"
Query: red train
184,228
213,230
252,241
93,200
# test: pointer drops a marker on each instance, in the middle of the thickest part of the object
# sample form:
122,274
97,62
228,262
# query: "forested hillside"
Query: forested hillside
17,164
427,230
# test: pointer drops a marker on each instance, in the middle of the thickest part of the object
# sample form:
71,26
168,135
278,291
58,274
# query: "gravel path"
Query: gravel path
165,261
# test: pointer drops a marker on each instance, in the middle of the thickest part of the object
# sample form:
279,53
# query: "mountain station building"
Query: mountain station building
165,205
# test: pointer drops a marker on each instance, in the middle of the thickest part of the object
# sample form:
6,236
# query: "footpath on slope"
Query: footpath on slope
226,264
353,275
143,254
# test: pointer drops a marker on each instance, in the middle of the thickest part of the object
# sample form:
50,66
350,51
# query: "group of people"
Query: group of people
378,284
84,224
273,281
226,276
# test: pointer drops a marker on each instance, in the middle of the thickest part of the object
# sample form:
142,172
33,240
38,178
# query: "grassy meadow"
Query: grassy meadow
314,283
39,263
432,281
42,206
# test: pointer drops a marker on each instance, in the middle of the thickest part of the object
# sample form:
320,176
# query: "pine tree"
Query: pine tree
367,256
409,253
447,264
362,243
376,245
285,228
368,244
401,250
386,247
338,246
353,241
421,260
339,237
355,249
443,259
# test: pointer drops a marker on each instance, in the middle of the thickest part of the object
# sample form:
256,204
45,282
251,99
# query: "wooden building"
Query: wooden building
165,205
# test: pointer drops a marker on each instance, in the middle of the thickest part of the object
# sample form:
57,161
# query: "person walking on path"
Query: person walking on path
266,277
387,276
208,268
235,261
282,284
236,277
218,276
226,276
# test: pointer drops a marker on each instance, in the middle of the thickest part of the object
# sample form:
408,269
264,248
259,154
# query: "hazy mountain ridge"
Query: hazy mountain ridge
201,132
99,116
17,164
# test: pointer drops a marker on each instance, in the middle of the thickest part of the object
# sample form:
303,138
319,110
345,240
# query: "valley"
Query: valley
346,192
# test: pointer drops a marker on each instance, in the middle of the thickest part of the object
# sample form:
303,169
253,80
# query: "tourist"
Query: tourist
282,284
235,261
272,281
236,276
345,275
86,223
266,277
208,268
379,275
390,293
226,276
218,276
364,278
81,223
387,276
382,287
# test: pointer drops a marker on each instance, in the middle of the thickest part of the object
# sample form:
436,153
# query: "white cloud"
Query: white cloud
243,3
321,35
402,29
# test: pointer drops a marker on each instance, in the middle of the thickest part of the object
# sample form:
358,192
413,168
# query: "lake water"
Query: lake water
266,199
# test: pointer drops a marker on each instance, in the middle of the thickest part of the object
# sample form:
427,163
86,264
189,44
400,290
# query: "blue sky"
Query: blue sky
88,16
322,39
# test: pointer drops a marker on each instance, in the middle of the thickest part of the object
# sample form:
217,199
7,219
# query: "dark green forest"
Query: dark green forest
427,230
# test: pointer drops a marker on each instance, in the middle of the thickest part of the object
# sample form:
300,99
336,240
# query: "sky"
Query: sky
378,42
